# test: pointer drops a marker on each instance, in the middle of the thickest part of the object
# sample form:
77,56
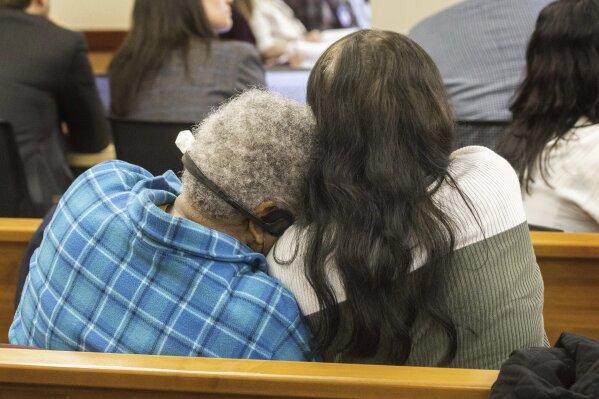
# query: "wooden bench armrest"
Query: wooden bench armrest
253,378
18,229
565,245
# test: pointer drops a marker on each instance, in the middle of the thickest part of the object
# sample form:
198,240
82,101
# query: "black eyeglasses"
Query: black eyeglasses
275,223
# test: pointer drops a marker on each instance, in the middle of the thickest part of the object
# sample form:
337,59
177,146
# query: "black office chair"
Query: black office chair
483,133
14,194
150,145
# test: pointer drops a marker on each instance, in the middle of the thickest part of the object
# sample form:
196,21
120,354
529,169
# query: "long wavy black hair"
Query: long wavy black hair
384,137
159,28
561,86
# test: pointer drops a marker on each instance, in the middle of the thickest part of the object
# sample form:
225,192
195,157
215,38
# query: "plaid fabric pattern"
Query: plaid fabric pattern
479,47
115,273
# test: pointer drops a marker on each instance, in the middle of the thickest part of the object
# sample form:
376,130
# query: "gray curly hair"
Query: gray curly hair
256,147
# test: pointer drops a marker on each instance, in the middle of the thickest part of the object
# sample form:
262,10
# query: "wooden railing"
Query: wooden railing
52,374
569,263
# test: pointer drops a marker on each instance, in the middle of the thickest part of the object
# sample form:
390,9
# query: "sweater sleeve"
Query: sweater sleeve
251,71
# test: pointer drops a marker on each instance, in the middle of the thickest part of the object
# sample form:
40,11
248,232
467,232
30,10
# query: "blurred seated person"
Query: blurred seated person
135,263
331,14
48,95
282,38
241,29
479,47
172,66
553,139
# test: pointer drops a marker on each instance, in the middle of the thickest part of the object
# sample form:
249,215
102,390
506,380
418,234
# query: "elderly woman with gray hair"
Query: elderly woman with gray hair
141,264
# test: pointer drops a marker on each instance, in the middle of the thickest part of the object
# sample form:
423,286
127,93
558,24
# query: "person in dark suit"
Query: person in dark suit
47,93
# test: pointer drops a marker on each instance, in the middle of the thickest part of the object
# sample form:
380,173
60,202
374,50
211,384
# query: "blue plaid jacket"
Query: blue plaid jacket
115,273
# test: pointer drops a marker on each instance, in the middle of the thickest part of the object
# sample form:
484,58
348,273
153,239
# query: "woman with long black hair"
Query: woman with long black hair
553,139
408,253
172,67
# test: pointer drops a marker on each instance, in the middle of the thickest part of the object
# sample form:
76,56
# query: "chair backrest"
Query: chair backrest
15,234
14,195
150,145
31,374
484,133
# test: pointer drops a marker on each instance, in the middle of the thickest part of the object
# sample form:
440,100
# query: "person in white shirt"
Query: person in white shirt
553,140
282,38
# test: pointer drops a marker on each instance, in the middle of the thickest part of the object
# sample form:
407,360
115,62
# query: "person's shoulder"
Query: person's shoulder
588,130
481,159
483,172
109,175
446,15
41,25
271,291
490,185
580,146
236,49
56,33
118,167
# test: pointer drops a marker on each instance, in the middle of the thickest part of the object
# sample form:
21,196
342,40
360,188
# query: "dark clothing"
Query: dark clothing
34,243
323,14
484,134
568,371
45,80
240,31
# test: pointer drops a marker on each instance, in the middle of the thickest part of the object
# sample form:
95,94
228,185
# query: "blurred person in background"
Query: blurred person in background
553,139
241,29
330,14
479,47
48,94
172,66
283,39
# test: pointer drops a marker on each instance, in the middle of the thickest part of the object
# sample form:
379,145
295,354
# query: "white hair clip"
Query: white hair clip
184,140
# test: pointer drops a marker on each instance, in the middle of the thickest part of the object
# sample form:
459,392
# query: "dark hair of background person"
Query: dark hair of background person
384,133
17,4
561,86
159,28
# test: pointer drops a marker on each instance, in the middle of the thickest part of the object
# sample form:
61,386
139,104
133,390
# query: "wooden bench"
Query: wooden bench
569,263
14,237
52,374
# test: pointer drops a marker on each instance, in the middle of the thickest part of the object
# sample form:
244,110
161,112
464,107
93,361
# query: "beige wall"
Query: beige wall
401,15
92,14
398,15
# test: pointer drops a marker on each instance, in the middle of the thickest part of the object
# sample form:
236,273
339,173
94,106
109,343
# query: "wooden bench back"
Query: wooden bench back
570,267
569,263
32,373
15,234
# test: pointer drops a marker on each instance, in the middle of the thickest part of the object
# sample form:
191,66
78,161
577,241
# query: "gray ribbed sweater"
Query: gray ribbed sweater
494,290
